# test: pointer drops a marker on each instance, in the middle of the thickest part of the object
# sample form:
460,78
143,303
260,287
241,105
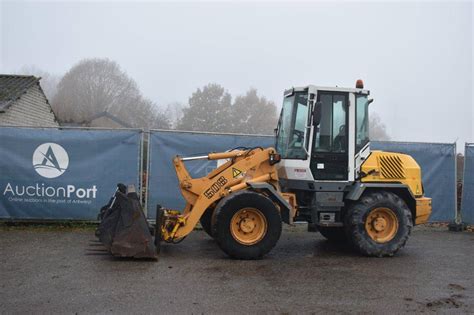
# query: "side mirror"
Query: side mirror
317,113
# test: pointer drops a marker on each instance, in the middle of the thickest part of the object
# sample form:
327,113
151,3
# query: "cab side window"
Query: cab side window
362,122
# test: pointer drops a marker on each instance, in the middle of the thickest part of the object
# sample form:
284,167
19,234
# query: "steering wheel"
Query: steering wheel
299,138
342,129
299,134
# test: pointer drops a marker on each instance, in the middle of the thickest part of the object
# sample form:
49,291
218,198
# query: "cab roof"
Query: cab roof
314,88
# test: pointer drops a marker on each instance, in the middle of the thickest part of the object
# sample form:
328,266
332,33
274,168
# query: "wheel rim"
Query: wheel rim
248,226
381,225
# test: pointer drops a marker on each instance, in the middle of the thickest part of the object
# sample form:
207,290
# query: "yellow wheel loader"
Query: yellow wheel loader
321,171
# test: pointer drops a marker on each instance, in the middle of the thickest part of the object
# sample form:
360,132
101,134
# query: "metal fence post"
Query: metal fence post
140,175
147,178
457,218
457,225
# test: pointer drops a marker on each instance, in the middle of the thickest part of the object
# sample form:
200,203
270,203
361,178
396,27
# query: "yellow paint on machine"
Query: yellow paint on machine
423,210
389,167
243,168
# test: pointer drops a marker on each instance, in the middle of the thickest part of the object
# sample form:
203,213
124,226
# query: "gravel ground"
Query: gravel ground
59,272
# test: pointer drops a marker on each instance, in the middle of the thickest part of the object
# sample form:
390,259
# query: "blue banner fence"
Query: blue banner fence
164,145
438,170
437,161
50,173
467,203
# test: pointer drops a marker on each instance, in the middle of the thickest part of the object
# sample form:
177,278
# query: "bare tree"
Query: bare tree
96,85
174,112
377,128
253,114
161,121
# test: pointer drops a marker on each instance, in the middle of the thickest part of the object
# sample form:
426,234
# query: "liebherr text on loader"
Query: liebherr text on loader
321,171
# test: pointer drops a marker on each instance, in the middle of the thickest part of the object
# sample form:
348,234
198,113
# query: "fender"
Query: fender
402,190
358,189
275,196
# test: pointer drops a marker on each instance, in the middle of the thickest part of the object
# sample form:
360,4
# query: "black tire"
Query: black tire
224,213
333,234
206,221
357,215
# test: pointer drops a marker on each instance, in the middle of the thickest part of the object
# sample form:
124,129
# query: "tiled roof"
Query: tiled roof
12,88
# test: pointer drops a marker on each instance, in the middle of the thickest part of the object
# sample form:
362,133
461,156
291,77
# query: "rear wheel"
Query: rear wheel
333,234
379,224
247,225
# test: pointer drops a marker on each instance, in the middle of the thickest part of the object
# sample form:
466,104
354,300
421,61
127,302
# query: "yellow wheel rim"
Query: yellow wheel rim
381,225
248,226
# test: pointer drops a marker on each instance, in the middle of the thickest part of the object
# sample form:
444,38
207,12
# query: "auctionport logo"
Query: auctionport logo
50,160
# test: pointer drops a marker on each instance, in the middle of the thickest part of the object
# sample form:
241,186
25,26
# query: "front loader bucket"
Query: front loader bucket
123,228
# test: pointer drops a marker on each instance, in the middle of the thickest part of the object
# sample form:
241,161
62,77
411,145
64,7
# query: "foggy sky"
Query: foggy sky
416,58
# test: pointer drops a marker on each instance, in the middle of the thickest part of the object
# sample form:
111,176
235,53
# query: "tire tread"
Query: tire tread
229,206
355,224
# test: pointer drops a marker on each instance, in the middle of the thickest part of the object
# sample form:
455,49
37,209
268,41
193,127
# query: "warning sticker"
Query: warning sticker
236,172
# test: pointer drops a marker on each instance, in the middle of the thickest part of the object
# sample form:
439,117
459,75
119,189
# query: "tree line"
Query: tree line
93,86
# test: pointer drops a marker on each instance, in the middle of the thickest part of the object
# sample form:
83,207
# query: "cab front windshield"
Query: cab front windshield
292,126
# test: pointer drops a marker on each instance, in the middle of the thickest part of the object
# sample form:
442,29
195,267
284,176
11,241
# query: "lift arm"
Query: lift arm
244,168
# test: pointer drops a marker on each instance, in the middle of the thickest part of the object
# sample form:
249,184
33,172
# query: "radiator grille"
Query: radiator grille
391,167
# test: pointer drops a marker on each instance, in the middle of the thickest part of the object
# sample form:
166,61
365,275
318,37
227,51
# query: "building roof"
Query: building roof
12,87
111,117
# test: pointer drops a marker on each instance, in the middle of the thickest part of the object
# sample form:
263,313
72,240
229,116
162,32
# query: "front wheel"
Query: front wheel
206,220
379,224
247,225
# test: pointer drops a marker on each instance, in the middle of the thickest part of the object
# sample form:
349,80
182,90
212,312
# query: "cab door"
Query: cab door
329,156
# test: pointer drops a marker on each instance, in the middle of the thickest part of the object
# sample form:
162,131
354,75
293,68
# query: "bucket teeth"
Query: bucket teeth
123,228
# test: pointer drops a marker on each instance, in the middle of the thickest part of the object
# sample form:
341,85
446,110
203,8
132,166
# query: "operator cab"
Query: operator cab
323,133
